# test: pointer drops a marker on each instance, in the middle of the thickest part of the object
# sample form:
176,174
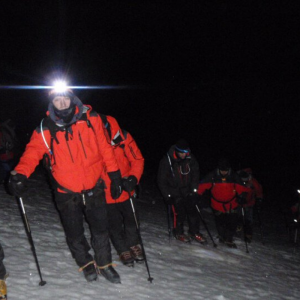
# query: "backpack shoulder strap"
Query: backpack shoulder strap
85,118
106,124
171,165
124,133
47,123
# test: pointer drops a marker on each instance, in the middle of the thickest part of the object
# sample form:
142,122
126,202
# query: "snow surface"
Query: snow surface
180,271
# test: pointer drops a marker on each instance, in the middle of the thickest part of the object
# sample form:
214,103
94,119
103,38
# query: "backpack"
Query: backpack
9,140
116,140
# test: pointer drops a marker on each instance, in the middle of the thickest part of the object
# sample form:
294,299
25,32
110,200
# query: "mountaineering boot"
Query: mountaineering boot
182,238
230,244
198,237
137,253
3,291
110,274
127,259
89,271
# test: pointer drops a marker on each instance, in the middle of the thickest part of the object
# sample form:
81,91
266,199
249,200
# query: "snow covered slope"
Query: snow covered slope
180,271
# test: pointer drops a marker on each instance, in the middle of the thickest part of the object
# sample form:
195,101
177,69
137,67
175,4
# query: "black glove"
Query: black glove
242,199
129,183
17,184
170,200
116,184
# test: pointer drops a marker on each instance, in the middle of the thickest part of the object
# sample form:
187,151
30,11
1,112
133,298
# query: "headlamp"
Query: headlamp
181,150
60,87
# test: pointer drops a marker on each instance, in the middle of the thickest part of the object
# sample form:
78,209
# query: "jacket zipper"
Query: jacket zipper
67,141
82,144
70,151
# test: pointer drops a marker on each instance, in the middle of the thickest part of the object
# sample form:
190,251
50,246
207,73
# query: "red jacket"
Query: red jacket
128,155
224,190
78,160
256,191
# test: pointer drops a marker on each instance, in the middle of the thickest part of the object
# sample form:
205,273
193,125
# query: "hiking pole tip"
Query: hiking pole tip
42,283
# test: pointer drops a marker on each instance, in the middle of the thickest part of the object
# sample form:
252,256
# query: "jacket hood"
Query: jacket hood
77,115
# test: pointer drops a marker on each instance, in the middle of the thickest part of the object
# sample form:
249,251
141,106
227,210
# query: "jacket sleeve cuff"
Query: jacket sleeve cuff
114,175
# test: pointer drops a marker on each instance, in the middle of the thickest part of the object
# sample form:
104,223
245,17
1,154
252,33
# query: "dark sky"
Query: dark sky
222,74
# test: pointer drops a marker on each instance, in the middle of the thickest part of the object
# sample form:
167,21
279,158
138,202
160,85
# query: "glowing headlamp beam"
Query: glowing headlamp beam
60,86
75,87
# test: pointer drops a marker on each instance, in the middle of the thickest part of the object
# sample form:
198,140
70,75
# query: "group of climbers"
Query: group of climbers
95,165
178,181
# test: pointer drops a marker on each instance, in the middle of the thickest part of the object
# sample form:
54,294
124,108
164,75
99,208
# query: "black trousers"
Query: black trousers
226,224
2,267
72,211
122,225
184,209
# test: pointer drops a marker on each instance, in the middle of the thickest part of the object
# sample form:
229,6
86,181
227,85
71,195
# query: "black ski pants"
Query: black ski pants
73,208
2,267
226,224
122,225
184,208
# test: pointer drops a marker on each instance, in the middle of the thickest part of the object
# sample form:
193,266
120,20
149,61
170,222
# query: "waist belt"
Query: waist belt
99,185
225,202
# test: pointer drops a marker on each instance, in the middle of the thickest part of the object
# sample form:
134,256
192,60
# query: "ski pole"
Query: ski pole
42,282
296,220
169,222
150,279
296,235
244,223
205,225
260,226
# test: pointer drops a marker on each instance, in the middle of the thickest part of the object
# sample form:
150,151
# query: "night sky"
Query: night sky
221,74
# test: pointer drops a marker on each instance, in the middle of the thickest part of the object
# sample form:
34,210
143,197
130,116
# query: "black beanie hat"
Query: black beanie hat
182,146
223,164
